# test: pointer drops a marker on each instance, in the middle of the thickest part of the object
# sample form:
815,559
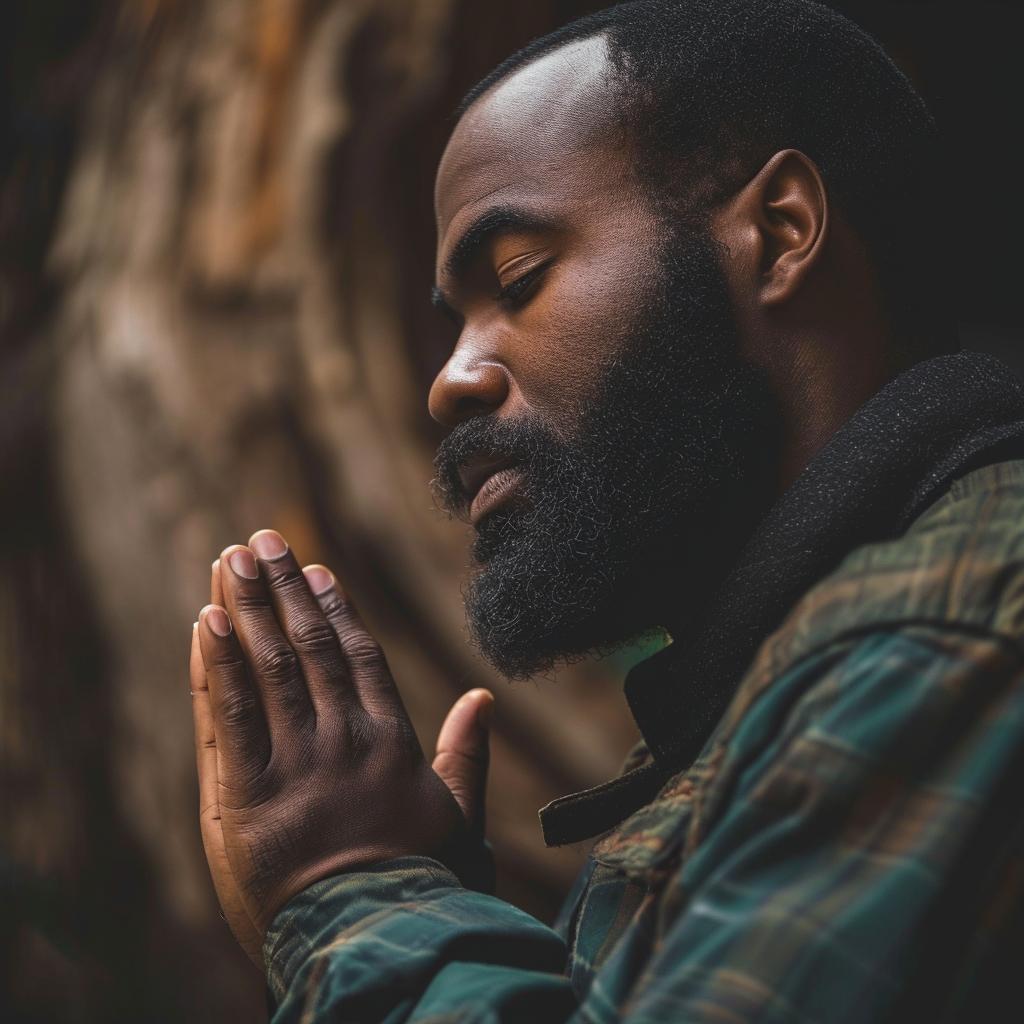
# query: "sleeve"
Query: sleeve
865,822
848,804
404,941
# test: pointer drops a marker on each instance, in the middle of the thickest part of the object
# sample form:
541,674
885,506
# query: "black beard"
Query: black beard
672,458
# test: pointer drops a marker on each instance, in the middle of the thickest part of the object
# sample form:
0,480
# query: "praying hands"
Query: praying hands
308,762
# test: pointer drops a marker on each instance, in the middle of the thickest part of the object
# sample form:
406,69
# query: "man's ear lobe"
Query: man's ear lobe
782,214
793,213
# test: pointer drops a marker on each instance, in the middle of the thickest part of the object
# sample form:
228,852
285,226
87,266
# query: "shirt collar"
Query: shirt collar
898,454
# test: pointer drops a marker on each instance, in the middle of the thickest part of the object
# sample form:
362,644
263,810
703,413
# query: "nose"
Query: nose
467,386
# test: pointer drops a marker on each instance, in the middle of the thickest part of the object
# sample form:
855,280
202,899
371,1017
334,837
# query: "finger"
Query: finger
463,754
209,810
273,664
305,627
206,741
216,590
371,677
242,741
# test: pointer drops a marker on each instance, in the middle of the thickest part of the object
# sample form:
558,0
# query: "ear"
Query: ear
775,229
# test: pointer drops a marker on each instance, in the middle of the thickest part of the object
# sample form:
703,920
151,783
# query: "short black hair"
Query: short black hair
708,90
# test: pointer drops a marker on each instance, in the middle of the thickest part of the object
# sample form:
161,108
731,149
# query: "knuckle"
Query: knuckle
337,607
360,646
250,599
238,709
276,663
226,660
312,636
285,577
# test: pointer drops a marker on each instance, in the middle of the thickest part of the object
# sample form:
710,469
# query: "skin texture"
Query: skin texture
536,148
308,763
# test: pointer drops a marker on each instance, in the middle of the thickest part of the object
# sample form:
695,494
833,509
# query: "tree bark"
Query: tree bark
242,338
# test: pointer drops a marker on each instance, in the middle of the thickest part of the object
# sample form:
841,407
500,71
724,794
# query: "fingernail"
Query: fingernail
320,580
218,621
268,545
214,564
243,564
485,714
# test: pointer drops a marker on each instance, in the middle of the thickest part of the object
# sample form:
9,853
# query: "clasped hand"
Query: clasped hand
308,763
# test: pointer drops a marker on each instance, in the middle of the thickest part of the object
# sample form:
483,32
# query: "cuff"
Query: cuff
315,917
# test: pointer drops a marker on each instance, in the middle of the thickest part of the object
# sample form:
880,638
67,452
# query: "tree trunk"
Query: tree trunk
243,339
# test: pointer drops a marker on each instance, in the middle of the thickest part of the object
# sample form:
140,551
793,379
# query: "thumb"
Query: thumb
463,754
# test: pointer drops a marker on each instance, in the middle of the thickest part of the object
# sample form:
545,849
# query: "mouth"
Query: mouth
490,482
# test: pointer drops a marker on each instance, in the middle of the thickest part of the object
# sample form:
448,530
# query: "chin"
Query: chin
528,630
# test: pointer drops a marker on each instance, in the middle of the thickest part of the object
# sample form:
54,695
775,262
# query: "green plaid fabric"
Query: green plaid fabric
849,847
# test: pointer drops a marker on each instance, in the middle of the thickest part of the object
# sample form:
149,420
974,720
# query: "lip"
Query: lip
490,481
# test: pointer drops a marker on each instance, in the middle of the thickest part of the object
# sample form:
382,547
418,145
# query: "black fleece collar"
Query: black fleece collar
897,455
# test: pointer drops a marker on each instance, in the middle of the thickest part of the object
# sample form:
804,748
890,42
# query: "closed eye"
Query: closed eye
515,293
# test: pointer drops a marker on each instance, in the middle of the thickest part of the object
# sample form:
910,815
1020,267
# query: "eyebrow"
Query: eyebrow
494,221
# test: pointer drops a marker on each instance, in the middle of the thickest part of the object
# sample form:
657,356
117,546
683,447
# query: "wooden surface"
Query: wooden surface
242,338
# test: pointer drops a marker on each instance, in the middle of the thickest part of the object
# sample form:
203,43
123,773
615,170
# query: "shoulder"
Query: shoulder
959,565
924,628
958,570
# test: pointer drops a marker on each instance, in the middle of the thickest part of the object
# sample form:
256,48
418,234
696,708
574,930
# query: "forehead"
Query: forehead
521,140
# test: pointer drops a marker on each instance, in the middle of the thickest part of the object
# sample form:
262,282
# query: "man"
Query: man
705,383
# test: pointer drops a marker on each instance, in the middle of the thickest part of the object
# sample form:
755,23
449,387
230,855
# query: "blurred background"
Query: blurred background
216,247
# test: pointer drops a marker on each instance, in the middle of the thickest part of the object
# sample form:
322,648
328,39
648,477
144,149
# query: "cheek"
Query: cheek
571,334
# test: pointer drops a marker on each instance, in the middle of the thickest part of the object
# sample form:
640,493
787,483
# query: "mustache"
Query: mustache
528,442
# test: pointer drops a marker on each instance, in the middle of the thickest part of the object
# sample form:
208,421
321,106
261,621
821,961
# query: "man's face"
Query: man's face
601,417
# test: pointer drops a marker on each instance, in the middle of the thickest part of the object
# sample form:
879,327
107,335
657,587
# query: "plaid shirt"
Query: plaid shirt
848,847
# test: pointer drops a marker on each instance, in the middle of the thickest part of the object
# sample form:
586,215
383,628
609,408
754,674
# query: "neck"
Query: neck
820,376
821,382
677,584
826,352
